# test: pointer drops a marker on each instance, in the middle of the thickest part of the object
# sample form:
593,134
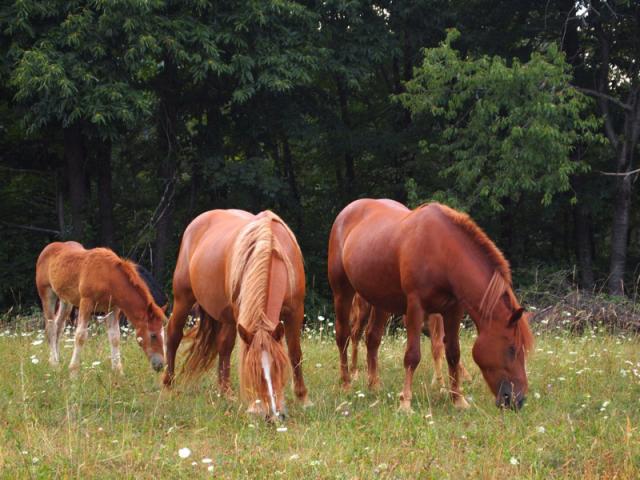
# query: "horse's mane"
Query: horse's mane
477,235
248,284
248,275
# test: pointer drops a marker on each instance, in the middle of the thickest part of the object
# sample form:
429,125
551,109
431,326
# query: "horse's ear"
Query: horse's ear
164,308
517,315
278,332
245,335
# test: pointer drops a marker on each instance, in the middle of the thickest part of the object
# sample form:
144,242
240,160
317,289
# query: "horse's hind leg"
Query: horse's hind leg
360,312
82,333
56,327
113,331
292,329
436,333
452,320
375,330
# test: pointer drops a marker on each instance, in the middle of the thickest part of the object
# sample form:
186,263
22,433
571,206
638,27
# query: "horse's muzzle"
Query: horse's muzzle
157,362
507,398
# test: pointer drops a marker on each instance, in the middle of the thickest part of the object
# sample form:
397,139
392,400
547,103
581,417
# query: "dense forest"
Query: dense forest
121,120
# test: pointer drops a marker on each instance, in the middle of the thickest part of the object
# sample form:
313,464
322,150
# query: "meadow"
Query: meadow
580,420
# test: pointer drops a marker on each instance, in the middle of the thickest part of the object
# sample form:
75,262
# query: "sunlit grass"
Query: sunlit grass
580,421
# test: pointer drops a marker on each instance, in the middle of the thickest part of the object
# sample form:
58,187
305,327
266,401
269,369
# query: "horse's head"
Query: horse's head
150,335
264,367
500,351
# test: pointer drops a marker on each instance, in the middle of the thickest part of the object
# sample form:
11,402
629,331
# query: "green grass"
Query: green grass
580,421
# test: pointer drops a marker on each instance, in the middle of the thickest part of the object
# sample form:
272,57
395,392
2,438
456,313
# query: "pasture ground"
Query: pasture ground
581,419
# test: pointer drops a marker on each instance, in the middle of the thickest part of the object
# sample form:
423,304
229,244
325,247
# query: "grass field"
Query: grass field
580,421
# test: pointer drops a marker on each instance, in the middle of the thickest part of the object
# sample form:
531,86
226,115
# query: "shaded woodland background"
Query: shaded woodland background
120,121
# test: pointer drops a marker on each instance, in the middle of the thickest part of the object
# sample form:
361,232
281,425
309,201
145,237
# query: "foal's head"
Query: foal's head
264,369
150,334
500,351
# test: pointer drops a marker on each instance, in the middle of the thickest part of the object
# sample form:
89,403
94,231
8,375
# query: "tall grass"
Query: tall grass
580,421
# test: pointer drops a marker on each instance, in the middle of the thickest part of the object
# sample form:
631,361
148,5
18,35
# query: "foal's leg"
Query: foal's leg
360,321
436,332
56,326
375,330
292,328
82,333
452,320
226,339
414,320
113,331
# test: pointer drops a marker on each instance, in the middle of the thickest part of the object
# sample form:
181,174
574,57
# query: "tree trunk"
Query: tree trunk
620,228
74,154
350,174
168,119
583,233
105,194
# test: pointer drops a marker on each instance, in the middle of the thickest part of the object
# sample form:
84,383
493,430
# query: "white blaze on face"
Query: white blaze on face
164,342
266,368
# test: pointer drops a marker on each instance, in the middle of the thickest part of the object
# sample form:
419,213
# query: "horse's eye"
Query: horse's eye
511,351
154,336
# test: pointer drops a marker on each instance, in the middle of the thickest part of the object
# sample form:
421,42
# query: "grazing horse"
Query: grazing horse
431,260
96,280
245,272
364,317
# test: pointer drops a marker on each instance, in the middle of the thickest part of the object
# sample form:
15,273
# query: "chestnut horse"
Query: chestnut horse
245,271
364,317
96,280
431,260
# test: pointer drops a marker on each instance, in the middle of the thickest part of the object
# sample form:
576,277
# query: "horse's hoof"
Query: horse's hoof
460,402
355,374
374,385
346,386
405,407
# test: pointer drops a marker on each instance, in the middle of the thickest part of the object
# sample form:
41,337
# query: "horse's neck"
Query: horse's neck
470,280
277,289
128,298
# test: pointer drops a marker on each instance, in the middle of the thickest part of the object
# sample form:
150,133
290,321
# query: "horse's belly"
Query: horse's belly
374,274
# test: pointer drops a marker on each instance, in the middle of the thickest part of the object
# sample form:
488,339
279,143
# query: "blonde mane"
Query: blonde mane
248,284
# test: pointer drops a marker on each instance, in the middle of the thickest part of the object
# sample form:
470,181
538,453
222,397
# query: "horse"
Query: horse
246,273
159,297
433,259
364,317
96,280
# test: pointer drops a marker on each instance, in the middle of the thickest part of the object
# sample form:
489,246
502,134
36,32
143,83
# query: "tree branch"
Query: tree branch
604,96
32,228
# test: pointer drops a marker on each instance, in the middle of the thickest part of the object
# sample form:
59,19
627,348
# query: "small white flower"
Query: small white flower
320,318
541,429
514,461
605,403
96,363
536,395
295,456
35,361
281,429
361,395
35,460
207,460
37,342
318,365
210,468
184,452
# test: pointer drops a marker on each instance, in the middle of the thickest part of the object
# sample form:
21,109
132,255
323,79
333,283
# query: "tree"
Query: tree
501,129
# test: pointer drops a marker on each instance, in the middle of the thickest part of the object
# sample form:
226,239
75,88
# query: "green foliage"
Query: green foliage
501,129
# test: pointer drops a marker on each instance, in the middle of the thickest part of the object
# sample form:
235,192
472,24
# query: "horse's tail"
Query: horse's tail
202,346
256,253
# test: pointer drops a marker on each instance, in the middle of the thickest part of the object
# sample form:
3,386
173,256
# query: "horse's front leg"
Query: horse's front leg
82,333
452,320
292,329
113,331
414,320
